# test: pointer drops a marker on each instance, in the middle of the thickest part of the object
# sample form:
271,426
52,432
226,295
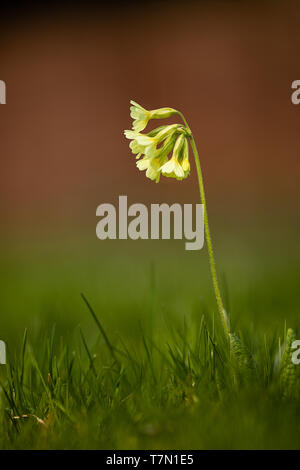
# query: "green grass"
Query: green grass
141,362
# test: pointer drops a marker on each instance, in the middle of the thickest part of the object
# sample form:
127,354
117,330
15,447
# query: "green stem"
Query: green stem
207,231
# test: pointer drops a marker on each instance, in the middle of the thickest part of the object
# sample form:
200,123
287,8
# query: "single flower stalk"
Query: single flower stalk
152,151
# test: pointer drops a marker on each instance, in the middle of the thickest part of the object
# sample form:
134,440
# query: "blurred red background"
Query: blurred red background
70,74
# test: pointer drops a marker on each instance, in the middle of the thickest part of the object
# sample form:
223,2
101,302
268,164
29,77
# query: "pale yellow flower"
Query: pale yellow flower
185,158
152,149
141,116
153,163
178,166
147,143
152,166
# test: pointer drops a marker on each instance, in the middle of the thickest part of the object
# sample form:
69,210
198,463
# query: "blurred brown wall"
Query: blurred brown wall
70,76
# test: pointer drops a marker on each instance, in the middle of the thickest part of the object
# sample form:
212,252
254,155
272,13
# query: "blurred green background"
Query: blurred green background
134,283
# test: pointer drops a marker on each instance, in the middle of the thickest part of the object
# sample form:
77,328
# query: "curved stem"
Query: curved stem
207,232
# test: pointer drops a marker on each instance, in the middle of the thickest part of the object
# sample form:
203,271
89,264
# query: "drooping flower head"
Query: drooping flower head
152,149
152,152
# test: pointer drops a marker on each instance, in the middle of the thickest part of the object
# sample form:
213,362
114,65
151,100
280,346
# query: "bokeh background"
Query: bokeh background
70,71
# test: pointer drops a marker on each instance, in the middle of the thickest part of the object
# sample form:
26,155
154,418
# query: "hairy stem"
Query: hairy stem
212,263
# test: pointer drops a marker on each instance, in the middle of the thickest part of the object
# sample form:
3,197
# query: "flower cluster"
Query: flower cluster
152,150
